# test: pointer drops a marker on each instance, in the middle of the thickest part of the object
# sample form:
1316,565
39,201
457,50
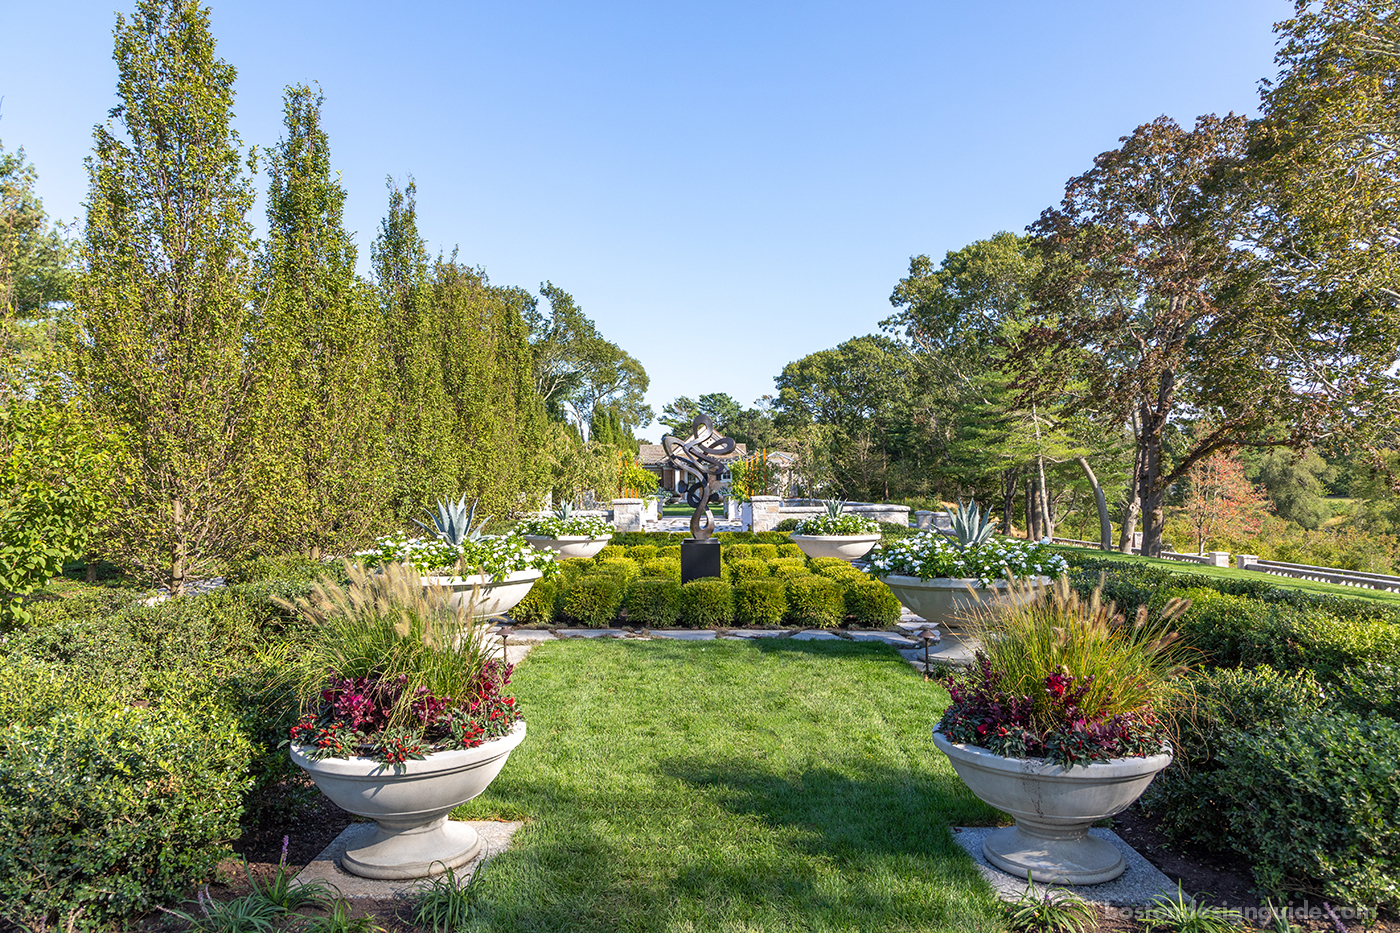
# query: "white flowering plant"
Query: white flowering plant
844,524
496,556
552,526
931,554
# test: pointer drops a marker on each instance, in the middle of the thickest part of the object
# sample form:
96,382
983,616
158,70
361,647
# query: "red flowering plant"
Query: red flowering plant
1068,680
395,671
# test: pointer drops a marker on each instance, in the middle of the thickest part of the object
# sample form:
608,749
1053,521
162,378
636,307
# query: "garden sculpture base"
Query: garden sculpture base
409,804
1054,807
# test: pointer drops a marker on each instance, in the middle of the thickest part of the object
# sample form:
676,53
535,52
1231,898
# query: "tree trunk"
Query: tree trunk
91,572
1047,523
1153,496
1105,527
1130,520
1032,512
1009,480
177,548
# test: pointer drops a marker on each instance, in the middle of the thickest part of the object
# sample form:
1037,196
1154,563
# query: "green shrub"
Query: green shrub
667,567
610,551
814,601
787,566
764,551
654,602
871,604
642,553
669,551
1313,803
591,600
292,568
760,602
706,603
571,568
109,809
1370,688
821,565
537,608
624,569
733,552
787,525
791,550
748,569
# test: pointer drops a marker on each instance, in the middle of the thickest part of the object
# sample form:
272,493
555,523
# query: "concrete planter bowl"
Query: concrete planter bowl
846,547
1054,808
489,599
948,600
569,545
409,804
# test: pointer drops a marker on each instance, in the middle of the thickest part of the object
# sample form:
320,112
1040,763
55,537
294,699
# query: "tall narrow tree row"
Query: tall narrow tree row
487,369
317,448
425,450
163,295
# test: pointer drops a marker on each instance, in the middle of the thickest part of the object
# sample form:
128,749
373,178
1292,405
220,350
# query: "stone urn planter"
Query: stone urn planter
947,600
1054,808
491,599
569,545
409,804
846,547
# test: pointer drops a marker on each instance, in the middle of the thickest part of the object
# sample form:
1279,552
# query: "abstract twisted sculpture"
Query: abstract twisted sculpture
698,455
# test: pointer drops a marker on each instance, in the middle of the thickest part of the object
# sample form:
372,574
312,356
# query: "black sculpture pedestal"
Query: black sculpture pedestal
699,559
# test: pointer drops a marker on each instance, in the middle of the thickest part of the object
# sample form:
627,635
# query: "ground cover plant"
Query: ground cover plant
1286,756
729,786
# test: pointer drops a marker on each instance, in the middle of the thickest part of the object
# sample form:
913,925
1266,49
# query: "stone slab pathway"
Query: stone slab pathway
495,838
1136,887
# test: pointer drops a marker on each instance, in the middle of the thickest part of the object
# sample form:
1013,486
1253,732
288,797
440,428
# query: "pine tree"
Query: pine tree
163,295
318,454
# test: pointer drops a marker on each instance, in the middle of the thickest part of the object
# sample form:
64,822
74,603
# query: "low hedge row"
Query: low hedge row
638,590
1287,750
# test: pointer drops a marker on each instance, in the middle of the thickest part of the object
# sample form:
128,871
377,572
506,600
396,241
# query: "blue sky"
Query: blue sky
723,187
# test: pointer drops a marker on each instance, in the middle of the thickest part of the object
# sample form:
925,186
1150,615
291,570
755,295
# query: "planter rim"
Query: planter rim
973,582
1120,768
369,769
480,579
571,539
873,536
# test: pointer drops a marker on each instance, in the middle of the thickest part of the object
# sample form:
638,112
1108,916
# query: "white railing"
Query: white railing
1370,581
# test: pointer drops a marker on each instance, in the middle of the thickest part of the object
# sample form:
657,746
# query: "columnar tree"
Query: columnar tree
317,448
164,291
35,265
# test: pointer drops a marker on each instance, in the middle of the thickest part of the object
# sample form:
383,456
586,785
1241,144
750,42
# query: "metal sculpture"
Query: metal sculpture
698,455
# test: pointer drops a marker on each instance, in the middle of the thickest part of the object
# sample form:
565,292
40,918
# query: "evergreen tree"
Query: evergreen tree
318,451
163,295
425,451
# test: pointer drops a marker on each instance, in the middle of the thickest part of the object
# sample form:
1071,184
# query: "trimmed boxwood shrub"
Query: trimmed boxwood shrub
669,551
733,552
625,569
787,566
591,600
787,525
814,601
574,567
748,569
764,551
871,604
667,567
706,603
653,602
108,809
537,608
791,550
760,602
642,553
822,565
610,551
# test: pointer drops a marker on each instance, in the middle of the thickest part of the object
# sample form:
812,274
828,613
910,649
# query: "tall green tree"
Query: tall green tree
425,451
317,446
163,295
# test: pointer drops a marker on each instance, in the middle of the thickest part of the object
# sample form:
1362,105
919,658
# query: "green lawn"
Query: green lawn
730,786
1231,573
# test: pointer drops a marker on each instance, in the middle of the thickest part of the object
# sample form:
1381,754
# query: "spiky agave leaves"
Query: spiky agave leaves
834,507
970,527
454,522
564,512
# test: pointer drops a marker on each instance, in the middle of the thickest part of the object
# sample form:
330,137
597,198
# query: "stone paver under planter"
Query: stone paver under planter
495,839
1138,885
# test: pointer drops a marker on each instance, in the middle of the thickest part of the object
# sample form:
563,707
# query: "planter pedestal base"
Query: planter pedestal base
406,851
1053,857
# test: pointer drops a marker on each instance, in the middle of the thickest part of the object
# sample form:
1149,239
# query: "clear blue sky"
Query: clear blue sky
723,187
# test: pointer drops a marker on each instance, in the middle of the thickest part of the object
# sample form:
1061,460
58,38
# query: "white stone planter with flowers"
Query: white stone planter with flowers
836,534
566,535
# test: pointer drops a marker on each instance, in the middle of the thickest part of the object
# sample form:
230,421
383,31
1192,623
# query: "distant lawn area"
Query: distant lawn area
1231,573
730,786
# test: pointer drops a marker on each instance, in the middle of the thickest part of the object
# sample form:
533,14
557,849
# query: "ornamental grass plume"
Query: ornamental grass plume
1045,640
402,641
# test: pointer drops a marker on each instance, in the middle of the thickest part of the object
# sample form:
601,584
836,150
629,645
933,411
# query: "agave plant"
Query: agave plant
564,512
970,527
454,522
834,507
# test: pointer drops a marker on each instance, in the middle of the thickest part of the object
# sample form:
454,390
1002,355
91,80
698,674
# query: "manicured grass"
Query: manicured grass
1231,573
730,786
